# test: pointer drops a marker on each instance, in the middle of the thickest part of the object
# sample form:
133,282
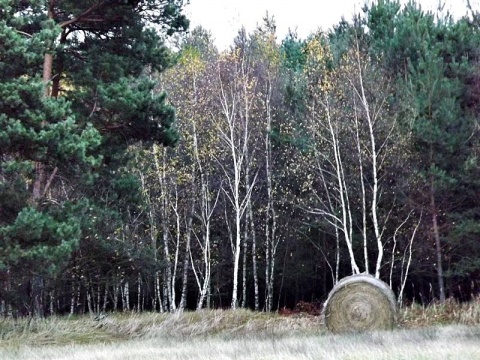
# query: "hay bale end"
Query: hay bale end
360,303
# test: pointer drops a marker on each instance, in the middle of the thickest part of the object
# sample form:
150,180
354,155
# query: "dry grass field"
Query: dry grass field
449,331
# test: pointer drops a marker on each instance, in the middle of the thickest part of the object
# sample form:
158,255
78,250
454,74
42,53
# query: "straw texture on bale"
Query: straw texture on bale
360,303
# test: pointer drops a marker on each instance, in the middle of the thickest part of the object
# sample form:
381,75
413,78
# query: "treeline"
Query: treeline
291,164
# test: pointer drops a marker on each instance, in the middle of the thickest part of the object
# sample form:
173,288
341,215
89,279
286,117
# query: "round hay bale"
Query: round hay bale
360,303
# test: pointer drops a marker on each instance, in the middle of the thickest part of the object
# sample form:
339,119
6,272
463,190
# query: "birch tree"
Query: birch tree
356,143
267,71
235,97
190,84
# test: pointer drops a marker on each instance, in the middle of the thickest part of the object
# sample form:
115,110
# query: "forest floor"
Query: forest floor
447,331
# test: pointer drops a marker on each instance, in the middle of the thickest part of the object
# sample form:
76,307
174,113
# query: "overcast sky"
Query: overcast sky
225,17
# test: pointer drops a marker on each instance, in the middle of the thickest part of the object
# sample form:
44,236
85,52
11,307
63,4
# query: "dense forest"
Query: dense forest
140,176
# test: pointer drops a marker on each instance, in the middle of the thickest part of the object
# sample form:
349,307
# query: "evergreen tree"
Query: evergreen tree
74,94
433,59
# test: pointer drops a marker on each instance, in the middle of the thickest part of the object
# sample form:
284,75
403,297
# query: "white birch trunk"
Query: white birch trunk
158,292
126,296
406,269
364,195
342,191
244,265
186,261
161,175
177,245
236,138
374,156
270,220
254,258
207,209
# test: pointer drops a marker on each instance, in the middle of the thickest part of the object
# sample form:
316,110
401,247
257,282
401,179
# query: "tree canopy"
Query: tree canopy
76,93
270,170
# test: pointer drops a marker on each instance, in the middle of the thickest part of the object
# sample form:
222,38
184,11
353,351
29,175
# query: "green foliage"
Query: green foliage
63,140
199,41
293,61
433,59
89,204
36,237
293,50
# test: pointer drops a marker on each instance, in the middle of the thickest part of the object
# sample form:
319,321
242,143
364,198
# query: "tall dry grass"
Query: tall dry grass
447,342
438,331
448,312
124,326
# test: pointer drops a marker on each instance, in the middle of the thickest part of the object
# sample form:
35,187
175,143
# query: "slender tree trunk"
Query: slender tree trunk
254,257
139,293
40,174
235,134
374,156
246,237
335,221
186,259
116,290
89,303
406,268
267,265
161,173
126,296
73,296
270,281
158,291
230,138
39,184
204,291
244,265
207,207
236,260
177,246
374,208
105,298
270,219
438,245
344,203
364,196
337,255
47,73
168,271
99,299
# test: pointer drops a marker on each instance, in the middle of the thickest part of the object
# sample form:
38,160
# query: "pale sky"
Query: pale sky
225,17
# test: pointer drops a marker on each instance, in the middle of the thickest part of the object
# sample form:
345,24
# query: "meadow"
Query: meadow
447,331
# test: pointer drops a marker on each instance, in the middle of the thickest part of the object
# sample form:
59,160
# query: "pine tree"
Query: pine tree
433,59
74,94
